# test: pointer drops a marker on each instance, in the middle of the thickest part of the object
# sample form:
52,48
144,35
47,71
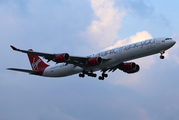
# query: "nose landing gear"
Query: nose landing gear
162,52
162,57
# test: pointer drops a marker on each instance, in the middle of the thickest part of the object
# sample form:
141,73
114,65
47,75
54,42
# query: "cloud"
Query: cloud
107,20
139,36
144,10
141,8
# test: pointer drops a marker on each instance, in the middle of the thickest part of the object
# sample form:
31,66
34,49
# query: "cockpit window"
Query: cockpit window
168,39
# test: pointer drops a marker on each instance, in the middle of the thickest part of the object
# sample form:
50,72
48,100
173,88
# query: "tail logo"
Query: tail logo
35,64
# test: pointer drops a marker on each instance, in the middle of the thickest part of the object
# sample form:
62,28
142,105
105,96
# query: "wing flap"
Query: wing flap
84,59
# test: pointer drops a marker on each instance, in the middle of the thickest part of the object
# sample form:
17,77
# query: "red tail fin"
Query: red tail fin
37,63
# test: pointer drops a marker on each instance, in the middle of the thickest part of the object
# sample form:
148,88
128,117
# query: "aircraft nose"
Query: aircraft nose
173,42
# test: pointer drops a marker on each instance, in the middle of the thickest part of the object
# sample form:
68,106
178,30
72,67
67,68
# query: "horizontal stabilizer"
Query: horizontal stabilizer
24,70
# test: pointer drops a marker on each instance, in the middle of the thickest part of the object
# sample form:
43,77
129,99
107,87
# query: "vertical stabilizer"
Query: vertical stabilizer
37,63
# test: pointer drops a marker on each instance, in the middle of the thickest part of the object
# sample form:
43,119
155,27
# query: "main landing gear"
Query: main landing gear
91,74
82,75
103,76
162,52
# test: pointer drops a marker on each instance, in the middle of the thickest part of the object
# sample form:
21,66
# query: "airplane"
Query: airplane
106,61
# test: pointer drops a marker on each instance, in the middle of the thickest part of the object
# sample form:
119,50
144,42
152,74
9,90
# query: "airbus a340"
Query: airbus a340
106,61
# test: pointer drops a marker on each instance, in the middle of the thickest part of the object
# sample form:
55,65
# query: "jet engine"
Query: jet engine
130,67
61,57
94,61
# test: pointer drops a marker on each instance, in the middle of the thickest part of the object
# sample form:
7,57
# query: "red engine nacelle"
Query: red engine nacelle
61,57
130,67
94,61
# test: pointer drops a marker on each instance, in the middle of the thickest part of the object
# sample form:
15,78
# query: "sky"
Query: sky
81,28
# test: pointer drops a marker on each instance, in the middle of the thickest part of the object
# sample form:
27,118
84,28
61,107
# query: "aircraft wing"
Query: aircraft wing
76,60
44,55
24,70
49,56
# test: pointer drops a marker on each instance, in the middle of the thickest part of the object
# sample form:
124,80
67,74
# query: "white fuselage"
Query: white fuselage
116,56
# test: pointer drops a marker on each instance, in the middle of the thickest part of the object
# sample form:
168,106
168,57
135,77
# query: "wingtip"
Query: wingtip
14,48
8,68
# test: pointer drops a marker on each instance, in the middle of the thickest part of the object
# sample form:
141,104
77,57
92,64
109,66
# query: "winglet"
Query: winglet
14,48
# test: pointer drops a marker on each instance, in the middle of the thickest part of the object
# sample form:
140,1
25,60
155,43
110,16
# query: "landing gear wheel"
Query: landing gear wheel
105,75
162,57
94,75
81,75
162,52
101,78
